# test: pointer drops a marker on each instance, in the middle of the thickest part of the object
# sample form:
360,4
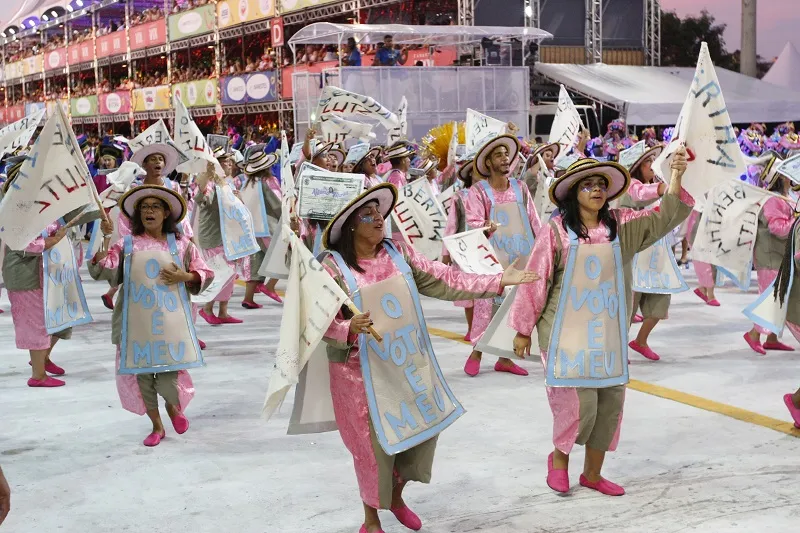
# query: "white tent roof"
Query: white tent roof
786,70
654,95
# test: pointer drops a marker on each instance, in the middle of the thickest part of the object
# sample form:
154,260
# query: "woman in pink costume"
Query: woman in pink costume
379,274
154,213
587,250
399,155
505,207
368,166
457,223
706,273
774,225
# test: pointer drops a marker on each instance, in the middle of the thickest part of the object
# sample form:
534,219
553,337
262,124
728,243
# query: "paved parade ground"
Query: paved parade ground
706,441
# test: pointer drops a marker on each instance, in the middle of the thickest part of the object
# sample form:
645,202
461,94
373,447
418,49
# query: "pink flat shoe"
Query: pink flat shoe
46,382
407,517
700,295
180,423
107,301
52,368
513,369
211,319
467,338
713,303
777,346
638,319
201,344
270,294
251,305
154,439
643,350
558,480
794,411
754,345
230,320
603,486
473,367
364,530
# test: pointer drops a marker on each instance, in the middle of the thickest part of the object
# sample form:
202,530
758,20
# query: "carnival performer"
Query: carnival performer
549,153
227,161
261,194
586,247
706,273
616,139
457,223
336,157
154,347
399,155
774,225
644,190
368,166
379,274
505,207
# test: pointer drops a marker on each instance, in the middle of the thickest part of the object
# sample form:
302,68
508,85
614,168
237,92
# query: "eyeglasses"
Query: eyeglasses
599,183
151,207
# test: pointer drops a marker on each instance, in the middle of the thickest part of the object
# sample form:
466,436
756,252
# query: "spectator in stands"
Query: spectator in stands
352,57
388,55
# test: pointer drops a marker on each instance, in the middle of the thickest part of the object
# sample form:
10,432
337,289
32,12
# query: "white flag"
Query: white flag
704,127
544,206
341,102
192,142
335,129
727,229
447,197
481,129
53,181
288,194
473,252
18,134
311,302
420,218
452,149
400,131
567,123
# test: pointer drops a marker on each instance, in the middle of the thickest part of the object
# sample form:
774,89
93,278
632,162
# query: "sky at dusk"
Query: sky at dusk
777,23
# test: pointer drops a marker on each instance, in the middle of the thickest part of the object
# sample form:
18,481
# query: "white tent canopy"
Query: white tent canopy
330,33
647,96
786,70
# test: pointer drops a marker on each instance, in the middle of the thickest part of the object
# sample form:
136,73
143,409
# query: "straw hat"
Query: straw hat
484,153
616,175
553,148
386,196
375,151
260,161
465,172
171,153
339,154
398,150
653,152
176,203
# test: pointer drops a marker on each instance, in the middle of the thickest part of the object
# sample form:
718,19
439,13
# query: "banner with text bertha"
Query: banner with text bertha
727,229
566,125
704,127
420,218
19,134
53,181
324,194
481,129
311,302
448,196
338,101
192,142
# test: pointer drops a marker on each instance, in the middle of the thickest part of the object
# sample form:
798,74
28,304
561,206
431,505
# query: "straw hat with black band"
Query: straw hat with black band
553,148
339,154
466,171
220,153
131,199
615,174
485,152
172,155
386,196
398,150
374,151
653,152
13,166
259,162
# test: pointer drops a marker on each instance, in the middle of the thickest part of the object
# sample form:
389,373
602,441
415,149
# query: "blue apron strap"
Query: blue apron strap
347,274
523,210
127,244
318,241
173,249
397,258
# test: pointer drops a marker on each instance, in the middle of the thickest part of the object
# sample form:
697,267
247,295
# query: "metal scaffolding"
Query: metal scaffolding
533,13
652,33
594,31
466,12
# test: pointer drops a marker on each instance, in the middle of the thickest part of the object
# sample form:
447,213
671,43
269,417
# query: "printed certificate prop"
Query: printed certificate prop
324,194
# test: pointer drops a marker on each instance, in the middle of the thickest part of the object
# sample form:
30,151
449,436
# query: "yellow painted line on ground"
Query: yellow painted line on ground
681,397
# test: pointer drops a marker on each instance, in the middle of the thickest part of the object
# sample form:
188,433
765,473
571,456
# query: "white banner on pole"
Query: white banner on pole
473,253
19,134
567,123
481,129
420,218
274,265
399,132
191,140
704,127
448,196
335,129
341,102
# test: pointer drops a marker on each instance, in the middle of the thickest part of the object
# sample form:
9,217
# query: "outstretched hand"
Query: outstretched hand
513,276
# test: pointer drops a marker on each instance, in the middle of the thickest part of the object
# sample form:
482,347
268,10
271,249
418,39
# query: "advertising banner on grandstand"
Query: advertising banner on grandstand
151,99
235,12
55,59
249,88
112,44
194,22
147,35
80,53
14,70
32,65
16,112
52,105
200,93
113,103
34,107
85,106
287,6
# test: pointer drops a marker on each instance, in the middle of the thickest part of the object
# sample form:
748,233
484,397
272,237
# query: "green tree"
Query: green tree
681,40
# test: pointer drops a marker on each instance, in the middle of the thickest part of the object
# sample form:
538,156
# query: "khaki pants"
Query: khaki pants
600,411
153,385
652,305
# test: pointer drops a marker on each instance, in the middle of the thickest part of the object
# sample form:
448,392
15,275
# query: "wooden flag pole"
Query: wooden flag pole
355,311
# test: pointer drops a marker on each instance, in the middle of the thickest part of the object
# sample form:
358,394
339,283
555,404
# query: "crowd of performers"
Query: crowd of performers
167,236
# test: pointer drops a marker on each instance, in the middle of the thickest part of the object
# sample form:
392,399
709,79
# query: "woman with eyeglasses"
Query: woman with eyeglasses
579,307
389,397
156,268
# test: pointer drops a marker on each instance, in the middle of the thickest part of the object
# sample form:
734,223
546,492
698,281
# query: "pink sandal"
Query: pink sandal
210,318
154,439
407,517
713,303
180,423
794,411
364,530
700,295
52,368
603,486
643,350
513,369
558,480
638,319
270,294
754,344
777,346
251,305
201,344
230,320
473,367
47,382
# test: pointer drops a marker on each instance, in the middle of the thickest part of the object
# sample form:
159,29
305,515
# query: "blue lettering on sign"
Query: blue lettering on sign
160,297
63,314
55,255
405,420
152,268
154,353
515,246
157,323
652,278
593,267
599,299
601,364
62,276
425,408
